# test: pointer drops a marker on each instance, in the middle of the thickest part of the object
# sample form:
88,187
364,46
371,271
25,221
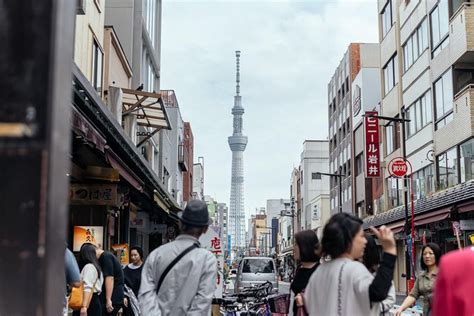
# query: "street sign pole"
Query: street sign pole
35,81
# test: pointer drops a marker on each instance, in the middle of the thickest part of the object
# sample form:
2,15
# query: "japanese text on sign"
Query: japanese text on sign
372,150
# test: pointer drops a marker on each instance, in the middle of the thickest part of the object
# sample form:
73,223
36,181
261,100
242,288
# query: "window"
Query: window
423,182
439,19
419,114
258,266
443,96
97,65
392,134
150,18
415,45
390,73
447,168
394,186
466,151
359,165
387,18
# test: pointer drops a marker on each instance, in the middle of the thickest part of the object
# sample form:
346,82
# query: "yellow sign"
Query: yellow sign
122,253
471,238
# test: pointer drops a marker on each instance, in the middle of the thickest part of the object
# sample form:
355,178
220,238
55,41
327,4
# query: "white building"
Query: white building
198,179
314,159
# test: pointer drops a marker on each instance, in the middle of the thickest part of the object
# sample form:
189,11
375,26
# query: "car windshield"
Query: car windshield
258,266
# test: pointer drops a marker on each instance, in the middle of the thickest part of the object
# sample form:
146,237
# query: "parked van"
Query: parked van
256,270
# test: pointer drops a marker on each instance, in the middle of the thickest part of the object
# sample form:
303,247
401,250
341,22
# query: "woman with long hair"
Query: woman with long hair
91,276
305,252
342,285
425,283
371,259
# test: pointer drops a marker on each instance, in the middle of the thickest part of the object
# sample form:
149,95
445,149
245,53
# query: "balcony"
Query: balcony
461,35
183,157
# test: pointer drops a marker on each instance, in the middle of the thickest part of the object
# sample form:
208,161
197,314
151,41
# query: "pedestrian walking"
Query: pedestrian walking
371,259
133,275
424,284
112,292
306,253
92,278
341,285
454,284
179,278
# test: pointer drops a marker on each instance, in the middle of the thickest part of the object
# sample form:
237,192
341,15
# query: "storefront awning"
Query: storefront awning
148,108
83,128
128,175
465,208
432,217
397,227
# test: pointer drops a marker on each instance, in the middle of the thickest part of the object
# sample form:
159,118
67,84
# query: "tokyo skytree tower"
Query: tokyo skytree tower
237,143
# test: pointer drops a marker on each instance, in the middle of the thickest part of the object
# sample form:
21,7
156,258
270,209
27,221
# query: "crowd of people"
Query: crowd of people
352,275
349,272
108,289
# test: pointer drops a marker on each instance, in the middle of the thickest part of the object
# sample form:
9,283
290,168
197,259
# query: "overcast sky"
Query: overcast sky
290,50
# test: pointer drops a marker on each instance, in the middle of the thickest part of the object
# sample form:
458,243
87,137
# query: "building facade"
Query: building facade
314,159
426,54
198,179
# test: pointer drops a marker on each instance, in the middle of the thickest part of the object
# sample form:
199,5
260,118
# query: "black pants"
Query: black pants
95,307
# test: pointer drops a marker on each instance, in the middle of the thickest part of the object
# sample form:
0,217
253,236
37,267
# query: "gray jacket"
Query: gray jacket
187,289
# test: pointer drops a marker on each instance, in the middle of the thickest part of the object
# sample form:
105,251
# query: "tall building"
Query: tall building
274,209
237,143
427,58
340,112
222,222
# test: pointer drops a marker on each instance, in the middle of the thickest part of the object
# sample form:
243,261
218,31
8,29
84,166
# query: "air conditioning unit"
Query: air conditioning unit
81,7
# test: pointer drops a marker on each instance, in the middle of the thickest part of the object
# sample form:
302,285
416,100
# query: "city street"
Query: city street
151,149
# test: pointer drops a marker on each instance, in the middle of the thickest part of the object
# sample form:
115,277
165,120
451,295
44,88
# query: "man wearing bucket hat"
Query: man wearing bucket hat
178,278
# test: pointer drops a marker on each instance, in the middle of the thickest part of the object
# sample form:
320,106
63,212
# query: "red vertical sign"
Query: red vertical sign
372,147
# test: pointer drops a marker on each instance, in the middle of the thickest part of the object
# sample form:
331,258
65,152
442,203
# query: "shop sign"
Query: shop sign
398,167
87,234
372,150
95,194
211,240
121,251
466,224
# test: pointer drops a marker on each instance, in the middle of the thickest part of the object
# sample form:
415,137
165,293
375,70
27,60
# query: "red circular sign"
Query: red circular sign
398,167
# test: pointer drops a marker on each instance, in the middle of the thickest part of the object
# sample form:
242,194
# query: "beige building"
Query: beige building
427,58
89,42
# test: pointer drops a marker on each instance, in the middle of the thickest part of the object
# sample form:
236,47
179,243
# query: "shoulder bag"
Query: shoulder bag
76,299
173,263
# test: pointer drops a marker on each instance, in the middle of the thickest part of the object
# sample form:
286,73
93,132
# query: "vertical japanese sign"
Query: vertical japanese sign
211,240
372,150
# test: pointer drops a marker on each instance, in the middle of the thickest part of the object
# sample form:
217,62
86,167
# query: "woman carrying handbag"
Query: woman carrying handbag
92,280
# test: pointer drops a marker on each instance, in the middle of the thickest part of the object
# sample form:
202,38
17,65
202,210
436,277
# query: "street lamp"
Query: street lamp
402,120
339,177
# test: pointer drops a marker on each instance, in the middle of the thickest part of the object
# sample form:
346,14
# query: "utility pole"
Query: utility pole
35,81
408,231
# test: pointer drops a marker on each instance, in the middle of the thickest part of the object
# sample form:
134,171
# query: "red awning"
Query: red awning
84,128
466,208
432,217
127,174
